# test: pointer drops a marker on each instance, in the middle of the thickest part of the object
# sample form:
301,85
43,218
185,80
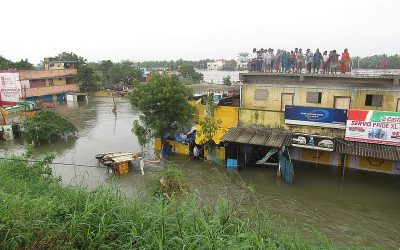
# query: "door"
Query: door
398,105
342,102
287,99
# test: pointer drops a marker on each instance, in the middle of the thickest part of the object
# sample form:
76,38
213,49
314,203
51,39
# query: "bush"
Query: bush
45,126
170,182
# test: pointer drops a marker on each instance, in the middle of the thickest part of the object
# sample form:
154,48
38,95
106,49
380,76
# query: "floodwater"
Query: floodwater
363,209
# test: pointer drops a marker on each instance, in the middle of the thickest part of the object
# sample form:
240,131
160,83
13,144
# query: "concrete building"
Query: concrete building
324,119
242,60
50,84
217,65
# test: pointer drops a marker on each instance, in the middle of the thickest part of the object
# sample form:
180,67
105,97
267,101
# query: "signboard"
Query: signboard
312,142
372,126
315,116
10,87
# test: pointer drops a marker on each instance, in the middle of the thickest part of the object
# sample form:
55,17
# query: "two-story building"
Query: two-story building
324,119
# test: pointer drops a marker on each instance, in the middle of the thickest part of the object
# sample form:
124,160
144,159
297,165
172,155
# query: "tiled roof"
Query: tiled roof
262,137
368,149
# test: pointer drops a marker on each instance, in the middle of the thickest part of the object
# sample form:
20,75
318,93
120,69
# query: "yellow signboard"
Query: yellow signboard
316,156
376,164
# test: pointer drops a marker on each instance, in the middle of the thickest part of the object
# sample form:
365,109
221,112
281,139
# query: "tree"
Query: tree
124,72
6,64
209,125
227,80
188,71
45,126
164,104
71,56
87,78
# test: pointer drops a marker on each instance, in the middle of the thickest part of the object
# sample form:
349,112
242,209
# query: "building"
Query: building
50,84
217,65
242,60
345,121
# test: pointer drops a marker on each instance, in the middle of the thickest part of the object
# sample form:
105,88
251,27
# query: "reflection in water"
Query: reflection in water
363,209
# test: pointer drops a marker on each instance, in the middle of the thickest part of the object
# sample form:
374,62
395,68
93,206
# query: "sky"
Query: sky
193,30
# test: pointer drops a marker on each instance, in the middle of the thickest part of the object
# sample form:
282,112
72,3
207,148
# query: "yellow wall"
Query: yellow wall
316,156
369,163
273,101
56,81
177,147
268,112
229,116
215,154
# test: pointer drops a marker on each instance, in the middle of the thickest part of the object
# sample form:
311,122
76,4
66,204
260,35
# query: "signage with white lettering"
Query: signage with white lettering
372,126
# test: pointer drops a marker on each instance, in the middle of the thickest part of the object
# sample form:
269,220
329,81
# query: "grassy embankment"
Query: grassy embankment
36,211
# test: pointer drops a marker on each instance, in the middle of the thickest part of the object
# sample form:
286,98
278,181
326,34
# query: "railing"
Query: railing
52,90
44,74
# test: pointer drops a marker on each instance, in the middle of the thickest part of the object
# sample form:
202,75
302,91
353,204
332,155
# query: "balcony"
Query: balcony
47,74
52,90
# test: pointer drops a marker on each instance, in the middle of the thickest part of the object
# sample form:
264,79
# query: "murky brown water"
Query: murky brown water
364,209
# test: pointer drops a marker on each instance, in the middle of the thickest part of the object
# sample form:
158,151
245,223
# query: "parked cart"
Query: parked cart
117,162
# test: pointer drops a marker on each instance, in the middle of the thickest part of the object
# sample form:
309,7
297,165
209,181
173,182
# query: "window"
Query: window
314,97
373,100
261,94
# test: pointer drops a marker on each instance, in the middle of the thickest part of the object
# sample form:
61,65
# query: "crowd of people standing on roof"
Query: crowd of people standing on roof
282,61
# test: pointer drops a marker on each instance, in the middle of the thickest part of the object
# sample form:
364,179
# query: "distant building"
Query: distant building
242,60
217,65
46,85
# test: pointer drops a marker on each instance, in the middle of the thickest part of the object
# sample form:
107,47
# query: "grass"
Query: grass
37,212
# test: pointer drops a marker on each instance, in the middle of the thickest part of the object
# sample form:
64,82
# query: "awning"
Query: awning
262,137
368,149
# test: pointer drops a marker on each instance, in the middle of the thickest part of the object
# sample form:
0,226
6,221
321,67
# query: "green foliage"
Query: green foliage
71,56
187,71
87,78
164,104
173,65
170,182
124,72
209,125
374,62
38,212
227,80
141,133
46,126
6,64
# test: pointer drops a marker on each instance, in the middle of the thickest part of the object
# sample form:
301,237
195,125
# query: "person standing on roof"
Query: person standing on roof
345,61
334,62
317,61
300,61
325,64
309,60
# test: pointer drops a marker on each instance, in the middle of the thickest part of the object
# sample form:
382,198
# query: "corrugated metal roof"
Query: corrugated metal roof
368,149
262,137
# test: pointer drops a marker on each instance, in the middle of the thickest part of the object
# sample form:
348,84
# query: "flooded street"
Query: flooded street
363,209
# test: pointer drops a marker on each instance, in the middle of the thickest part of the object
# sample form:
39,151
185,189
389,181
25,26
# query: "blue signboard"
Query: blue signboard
316,116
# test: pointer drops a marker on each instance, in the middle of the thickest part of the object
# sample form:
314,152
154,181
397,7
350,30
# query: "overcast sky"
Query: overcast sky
173,29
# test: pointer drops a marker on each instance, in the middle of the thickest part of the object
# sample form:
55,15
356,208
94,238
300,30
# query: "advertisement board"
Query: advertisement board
10,87
315,116
373,126
312,142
